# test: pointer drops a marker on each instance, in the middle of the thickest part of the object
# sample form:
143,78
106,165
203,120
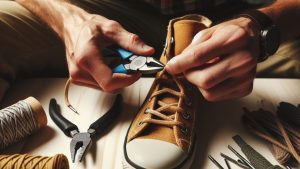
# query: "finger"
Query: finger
123,80
86,84
120,81
238,93
89,58
236,64
125,39
222,41
107,80
132,42
81,77
95,87
233,86
202,36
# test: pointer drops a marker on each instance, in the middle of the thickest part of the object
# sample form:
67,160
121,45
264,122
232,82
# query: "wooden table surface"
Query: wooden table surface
218,121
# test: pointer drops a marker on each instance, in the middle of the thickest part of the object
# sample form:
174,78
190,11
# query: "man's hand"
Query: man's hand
85,35
84,45
221,60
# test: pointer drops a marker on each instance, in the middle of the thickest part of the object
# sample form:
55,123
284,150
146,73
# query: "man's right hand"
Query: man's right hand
84,43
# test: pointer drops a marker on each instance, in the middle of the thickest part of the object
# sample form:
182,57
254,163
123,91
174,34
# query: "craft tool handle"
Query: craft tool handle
123,53
102,123
65,125
256,159
120,69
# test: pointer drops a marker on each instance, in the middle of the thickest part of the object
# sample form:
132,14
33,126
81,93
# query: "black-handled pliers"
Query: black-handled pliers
82,141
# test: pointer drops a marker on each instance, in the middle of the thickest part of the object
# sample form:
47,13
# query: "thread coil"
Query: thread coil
24,161
16,122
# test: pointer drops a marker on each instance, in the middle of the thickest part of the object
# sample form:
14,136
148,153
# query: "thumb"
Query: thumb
133,43
182,62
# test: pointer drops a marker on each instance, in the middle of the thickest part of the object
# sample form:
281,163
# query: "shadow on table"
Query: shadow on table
213,121
39,138
125,117
22,89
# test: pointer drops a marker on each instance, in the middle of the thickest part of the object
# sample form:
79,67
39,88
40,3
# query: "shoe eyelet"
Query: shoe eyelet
186,115
184,130
187,101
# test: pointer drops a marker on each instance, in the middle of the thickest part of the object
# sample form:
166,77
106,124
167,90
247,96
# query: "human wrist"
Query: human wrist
72,21
269,36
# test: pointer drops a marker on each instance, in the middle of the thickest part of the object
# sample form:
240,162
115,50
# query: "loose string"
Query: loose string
24,161
16,122
284,137
66,95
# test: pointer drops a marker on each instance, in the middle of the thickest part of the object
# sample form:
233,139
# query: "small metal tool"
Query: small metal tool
241,157
256,159
136,63
227,158
215,162
227,163
242,162
82,141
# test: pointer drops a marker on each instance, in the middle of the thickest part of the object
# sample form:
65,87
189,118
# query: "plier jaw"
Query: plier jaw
80,144
82,141
142,64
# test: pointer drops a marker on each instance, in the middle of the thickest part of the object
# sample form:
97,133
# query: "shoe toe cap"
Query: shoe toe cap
154,154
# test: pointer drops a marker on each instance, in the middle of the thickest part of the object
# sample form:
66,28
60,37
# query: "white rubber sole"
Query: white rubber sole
187,163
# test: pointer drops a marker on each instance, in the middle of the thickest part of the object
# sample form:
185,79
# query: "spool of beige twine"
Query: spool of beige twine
20,120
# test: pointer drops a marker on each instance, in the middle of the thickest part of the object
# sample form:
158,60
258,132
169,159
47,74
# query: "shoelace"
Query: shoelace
166,120
66,96
262,124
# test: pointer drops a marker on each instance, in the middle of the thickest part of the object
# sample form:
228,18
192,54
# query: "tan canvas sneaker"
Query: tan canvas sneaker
162,134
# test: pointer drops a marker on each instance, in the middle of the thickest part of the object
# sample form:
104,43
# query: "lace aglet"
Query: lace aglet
73,109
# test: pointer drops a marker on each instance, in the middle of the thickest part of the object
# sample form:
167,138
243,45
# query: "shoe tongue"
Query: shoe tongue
184,32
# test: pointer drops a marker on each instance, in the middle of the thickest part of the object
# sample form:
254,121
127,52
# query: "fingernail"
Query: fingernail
146,47
169,65
171,62
196,37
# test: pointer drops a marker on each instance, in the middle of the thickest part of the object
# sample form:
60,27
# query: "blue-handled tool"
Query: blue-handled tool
135,63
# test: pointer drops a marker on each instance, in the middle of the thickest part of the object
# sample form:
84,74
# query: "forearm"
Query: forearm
285,14
60,15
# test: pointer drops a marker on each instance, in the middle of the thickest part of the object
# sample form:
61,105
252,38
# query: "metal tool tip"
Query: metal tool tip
73,109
